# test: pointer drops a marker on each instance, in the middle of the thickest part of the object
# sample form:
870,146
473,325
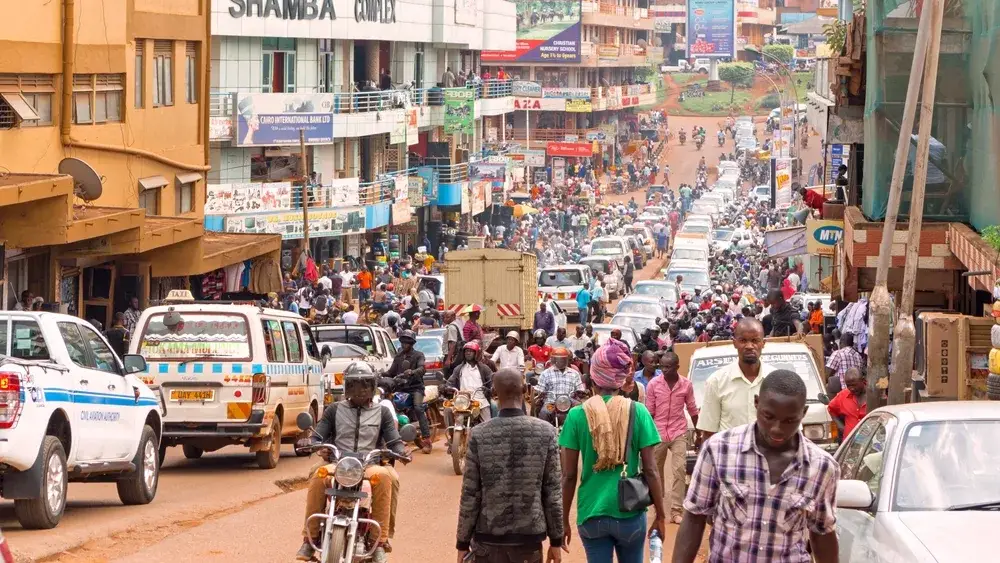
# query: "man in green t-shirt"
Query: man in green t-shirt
603,528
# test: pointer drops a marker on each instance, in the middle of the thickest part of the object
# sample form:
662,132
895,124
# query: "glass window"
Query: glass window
75,344
266,62
292,339
269,43
138,74
27,342
107,106
289,72
286,44
82,108
209,336
163,82
310,343
102,353
870,468
42,104
850,456
185,198
150,201
191,76
274,344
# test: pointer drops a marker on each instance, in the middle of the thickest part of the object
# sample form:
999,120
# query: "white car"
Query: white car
644,233
761,193
613,281
723,239
637,323
919,483
659,289
373,340
694,274
603,333
635,304
562,283
71,411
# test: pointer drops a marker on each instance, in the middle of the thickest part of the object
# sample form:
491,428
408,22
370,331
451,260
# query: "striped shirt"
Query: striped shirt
755,521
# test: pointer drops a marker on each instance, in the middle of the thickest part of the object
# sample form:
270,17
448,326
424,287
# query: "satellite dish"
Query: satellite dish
86,182
642,43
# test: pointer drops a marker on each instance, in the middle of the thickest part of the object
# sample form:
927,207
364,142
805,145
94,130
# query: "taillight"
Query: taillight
260,388
572,295
10,399
433,365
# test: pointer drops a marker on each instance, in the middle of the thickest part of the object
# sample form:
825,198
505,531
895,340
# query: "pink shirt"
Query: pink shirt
667,405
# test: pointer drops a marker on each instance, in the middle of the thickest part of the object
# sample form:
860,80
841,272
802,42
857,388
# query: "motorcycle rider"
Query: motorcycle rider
558,379
356,423
474,376
410,379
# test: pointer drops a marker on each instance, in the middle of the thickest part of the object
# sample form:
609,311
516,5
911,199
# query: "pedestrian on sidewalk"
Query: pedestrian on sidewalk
774,470
511,453
628,274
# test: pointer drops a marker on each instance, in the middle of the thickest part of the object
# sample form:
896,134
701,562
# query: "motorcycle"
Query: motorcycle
699,141
465,412
348,534
683,137
722,140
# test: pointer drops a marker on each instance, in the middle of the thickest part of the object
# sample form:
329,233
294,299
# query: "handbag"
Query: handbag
633,492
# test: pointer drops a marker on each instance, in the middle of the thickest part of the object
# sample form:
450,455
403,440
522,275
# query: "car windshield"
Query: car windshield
661,290
688,254
430,347
598,266
692,278
604,333
763,190
196,335
723,235
339,350
947,464
696,228
637,323
799,362
640,308
606,247
556,278
359,336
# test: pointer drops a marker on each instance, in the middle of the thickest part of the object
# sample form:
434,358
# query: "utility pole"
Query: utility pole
304,171
905,337
880,303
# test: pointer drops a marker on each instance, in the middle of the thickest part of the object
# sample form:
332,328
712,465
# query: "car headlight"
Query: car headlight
463,402
563,403
349,472
815,432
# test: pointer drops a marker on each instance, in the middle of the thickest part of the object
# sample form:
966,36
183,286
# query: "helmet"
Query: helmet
539,334
389,287
407,335
359,371
513,334
693,307
560,353
474,345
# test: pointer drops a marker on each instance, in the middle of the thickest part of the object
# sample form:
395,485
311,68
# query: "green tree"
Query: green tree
736,74
783,53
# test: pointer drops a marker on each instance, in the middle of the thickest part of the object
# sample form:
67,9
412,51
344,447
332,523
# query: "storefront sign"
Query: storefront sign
579,106
487,170
482,192
401,188
401,212
526,89
630,101
837,157
530,157
325,223
412,130
547,32
375,11
344,192
711,28
567,93
540,104
398,133
283,10
459,110
569,149
415,191
598,136
228,199
276,119
822,236
607,52
220,128
782,182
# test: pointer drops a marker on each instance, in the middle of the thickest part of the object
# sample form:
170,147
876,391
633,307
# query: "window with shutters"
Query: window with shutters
191,66
97,98
139,74
185,198
26,100
163,73
150,201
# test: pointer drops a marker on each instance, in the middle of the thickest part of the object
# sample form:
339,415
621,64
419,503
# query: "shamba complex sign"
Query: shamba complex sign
375,11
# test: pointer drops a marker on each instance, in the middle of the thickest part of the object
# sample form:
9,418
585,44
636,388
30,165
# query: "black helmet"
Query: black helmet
359,372
407,335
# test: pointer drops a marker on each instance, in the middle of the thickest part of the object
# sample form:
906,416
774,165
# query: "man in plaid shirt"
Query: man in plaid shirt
558,379
845,358
766,486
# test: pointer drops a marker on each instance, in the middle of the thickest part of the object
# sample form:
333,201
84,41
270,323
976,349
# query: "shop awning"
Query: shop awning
152,182
211,251
20,106
188,178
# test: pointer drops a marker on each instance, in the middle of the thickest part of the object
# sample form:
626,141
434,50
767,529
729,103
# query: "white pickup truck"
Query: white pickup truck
71,410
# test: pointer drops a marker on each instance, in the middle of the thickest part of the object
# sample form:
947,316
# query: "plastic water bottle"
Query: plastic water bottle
655,548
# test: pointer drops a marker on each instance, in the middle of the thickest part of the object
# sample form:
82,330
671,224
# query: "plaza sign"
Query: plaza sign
374,11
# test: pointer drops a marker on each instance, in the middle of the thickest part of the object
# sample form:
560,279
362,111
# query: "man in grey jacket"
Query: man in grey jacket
511,495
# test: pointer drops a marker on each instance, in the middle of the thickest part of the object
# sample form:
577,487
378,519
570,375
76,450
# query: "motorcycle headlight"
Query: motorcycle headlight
349,472
815,432
563,403
463,402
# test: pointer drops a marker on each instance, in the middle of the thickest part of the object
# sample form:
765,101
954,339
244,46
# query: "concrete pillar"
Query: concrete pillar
371,61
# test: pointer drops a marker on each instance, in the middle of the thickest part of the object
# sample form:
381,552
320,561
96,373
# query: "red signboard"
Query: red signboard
556,148
629,101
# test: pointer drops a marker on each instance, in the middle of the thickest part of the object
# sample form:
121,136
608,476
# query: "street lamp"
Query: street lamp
791,80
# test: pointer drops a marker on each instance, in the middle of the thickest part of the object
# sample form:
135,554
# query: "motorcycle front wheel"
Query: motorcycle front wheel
457,455
338,543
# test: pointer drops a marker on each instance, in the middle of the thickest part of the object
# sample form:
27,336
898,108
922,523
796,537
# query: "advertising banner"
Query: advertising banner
598,136
415,191
326,223
530,157
837,158
556,148
276,119
487,171
548,31
480,192
607,52
459,110
579,106
401,212
401,188
344,192
220,128
540,104
783,182
526,89
466,197
398,133
229,199
822,236
711,28
567,93
412,131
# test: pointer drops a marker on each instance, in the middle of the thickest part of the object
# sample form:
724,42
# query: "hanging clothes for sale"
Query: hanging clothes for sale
233,277
213,285
265,276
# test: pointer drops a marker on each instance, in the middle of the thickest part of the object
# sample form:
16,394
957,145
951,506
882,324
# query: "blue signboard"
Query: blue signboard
276,119
711,28
836,159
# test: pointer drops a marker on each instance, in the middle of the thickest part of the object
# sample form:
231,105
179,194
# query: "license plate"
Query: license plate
205,395
562,296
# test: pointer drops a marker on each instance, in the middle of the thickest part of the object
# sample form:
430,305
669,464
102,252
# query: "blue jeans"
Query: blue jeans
604,536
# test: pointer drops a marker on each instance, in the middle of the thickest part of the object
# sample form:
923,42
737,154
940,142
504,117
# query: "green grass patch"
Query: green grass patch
706,105
687,78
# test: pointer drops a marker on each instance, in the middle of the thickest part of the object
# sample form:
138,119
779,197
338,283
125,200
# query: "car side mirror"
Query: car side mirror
854,494
408,432
304,421
134,363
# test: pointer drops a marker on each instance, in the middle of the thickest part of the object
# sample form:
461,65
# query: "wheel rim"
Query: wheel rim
276,441
55,483
149,465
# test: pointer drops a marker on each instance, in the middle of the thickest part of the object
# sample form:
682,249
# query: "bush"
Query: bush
769,101
783,53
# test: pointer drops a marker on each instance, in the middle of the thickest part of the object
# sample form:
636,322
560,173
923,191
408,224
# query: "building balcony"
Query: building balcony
610,14
610,55
353,114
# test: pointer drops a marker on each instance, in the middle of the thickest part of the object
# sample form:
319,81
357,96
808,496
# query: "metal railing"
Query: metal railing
547,135
452,174
369,193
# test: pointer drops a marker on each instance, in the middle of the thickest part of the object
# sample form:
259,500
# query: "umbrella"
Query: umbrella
471,309
522,210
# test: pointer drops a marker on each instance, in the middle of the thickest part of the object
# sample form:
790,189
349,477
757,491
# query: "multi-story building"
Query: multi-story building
365,85
755,20
120,85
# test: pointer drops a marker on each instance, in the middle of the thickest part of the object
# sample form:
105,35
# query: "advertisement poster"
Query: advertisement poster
822,236
459,110
398,133
579,106
526,89
415,191
401,212
480,192
548,31
401,188
567,93
276,119
326,223
412,132
711,26
344,192
220,128
556,148
782,182
487,171
466,197
229,199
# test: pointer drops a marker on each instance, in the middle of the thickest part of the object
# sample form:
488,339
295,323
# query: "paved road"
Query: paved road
221,508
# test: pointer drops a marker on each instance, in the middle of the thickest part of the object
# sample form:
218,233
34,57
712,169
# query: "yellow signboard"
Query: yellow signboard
822,236
579,106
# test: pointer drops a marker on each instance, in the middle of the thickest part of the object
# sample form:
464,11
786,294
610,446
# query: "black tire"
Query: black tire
44,512
457,455
314,411
993,387
338,545
139,487
161,453
268,459
192,452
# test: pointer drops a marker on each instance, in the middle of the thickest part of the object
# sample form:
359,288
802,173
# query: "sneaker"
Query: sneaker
427,446
379,556
305,553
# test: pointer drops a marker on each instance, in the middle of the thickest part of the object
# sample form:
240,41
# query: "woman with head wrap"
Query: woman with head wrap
597,430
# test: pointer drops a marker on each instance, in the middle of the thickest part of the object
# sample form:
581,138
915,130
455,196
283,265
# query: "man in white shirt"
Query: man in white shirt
305,295
730,391
559,340
325,282
578,341
500,231
350,316
794,279
510,355
486,230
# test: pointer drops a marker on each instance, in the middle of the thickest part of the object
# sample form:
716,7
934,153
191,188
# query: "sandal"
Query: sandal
677,519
